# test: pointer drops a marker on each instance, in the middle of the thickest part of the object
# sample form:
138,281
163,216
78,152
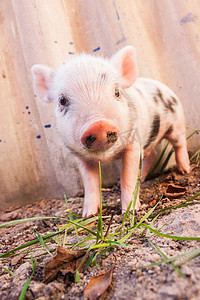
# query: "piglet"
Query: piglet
103,112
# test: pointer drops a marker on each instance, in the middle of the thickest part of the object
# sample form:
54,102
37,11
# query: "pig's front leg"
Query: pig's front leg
90,177
130,167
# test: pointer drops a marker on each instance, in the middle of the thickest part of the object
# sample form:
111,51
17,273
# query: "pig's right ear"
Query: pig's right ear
42,79
125,61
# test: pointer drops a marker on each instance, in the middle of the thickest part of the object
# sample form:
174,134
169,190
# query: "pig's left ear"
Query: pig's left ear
125,61
42,80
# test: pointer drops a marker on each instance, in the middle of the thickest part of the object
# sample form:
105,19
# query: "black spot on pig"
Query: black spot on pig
168,103
155,127
169,131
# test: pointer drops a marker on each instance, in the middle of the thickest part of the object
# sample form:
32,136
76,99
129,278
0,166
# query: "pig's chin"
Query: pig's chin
102,155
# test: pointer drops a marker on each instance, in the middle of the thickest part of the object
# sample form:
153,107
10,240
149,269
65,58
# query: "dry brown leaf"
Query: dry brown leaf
64,261
175,191
98,285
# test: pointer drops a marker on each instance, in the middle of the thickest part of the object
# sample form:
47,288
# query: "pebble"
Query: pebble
24,269
13,215
36,287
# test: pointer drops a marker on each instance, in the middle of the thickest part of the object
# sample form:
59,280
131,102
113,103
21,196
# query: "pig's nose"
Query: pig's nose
100,135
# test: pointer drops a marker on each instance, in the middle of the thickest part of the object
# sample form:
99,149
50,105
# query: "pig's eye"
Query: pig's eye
117,93
63,100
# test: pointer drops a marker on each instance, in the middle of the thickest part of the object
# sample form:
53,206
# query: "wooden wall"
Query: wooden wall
166,34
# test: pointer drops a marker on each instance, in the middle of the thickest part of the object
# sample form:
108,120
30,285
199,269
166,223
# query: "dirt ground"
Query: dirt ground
129,282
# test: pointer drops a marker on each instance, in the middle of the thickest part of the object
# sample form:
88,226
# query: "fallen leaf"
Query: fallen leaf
64,261
174,191
98,284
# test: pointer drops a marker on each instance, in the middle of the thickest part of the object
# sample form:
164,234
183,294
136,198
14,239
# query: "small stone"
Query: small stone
36,287
23,269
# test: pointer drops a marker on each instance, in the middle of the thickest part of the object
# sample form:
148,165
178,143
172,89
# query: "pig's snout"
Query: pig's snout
100,135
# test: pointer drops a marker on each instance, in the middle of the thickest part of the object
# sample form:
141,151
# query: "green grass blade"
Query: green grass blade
184,204
77,276
26,245
89,261
13,223
137,187
41,240
154,219
158,162
10,272
23,292
165,256
80,226
196,131
182,238
131,230
125,216
166,160
189,257
100,224
192,254
196,154
71,218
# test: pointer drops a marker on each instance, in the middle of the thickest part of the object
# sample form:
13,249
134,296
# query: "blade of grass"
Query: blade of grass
108,228
23,292
26,245
12,223
158,162
10,272
196,154
71,218
172,151
100,226
182,238
192,254
154,219
194,132
131,230
137,187
89,261
165,256
125,216
166,160
41,240
184,204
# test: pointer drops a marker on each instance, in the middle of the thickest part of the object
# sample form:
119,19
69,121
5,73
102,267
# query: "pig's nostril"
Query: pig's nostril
112,137
90,140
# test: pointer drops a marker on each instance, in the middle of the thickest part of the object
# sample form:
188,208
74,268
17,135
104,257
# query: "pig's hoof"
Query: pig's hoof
142,179
184,167
182,159
89,212
137,207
